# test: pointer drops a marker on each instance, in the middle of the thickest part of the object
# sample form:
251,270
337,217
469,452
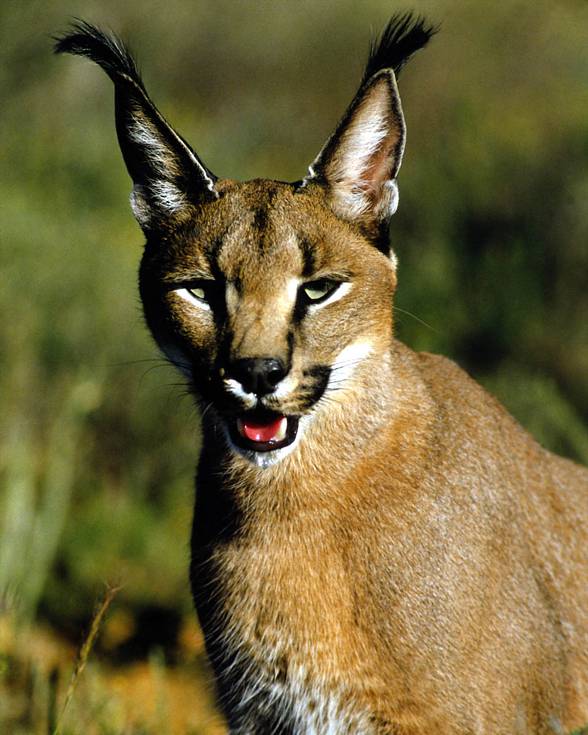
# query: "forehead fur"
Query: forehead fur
264,224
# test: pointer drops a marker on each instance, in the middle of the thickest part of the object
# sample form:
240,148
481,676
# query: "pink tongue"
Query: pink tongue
261,432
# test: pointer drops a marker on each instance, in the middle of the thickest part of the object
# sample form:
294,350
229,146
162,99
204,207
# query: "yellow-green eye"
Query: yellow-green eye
317,291
202,292
203,289
198,292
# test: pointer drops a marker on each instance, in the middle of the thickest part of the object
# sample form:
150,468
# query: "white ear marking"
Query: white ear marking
141,209
389,201
143,134
360,160
167,195
199,166
394,196
360,142
160,192
159,158
309,176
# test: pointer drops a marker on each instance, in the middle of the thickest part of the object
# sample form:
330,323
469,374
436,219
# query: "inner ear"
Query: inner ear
360,162
369,150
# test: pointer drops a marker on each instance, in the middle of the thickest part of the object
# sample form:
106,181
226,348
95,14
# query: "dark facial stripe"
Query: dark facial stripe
299,311
260,218
308,258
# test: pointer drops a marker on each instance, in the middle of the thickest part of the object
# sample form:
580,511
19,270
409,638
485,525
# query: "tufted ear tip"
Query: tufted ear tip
359,163
167,175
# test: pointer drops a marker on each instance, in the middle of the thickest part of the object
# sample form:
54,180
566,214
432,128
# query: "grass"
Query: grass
47,688
84,653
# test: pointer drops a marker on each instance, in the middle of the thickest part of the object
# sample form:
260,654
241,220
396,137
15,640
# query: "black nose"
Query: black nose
258,375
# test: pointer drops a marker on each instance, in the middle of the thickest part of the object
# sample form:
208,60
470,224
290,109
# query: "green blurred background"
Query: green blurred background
98,440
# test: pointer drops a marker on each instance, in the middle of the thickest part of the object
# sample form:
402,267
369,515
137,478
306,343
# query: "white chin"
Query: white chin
267,458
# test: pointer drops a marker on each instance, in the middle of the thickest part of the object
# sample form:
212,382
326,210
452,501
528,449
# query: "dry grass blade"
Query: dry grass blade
85,650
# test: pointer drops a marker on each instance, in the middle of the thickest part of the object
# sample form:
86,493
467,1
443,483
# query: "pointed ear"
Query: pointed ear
359,163
167,175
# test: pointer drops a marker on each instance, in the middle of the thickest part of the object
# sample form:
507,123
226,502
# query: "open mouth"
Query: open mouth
263,433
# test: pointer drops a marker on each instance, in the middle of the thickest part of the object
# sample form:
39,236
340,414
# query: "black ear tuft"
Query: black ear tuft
106,50
403,36
168,177
359,163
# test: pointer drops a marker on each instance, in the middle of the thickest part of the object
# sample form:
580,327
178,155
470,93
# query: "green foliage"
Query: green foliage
97,447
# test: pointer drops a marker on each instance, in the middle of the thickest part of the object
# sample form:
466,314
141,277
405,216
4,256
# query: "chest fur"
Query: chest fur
285,642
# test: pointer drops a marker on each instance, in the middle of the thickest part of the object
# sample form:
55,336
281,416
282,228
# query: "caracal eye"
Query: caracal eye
200,292
317,291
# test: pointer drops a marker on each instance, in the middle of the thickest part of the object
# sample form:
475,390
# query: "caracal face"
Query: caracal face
266,295
267,272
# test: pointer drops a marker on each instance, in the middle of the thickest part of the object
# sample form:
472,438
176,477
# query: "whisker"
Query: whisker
345,364
206,409
120,363
417,318
154,367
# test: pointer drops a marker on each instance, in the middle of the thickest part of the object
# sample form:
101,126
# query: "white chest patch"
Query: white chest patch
298,704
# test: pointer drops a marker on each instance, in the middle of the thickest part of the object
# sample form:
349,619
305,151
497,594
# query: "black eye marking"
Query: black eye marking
308,257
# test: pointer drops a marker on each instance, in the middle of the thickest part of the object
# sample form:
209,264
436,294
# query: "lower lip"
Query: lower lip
238,436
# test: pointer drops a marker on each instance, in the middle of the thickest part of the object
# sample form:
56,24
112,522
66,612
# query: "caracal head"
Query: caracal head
268,296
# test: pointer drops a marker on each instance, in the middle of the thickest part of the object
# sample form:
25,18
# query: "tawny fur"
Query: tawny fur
414,562
419,554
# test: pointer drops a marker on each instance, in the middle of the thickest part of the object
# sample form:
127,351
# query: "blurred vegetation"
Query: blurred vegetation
97,439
